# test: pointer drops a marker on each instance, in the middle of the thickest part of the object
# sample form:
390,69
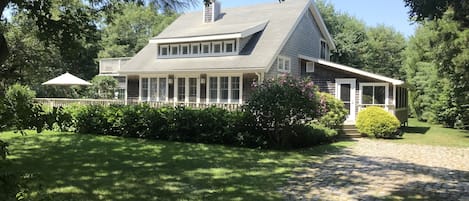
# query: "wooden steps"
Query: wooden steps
350,131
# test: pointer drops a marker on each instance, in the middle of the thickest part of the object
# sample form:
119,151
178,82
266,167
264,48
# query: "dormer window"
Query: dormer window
205,48
174,50
229,46
164,50
185,49
216,47
195,47
324,50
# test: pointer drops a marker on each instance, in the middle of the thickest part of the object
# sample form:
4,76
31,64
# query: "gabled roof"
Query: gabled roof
276,21
352,70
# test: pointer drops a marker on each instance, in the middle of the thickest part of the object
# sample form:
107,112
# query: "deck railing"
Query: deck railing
56,102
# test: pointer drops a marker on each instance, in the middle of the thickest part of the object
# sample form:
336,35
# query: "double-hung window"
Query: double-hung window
164,50
324,50
174,50
230,46
185,49
224,89
205,48
283,64
217,47
195,48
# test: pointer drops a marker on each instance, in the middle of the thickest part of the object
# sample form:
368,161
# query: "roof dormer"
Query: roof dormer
211,11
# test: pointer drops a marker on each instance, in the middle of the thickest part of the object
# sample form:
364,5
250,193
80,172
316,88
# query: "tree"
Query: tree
437,66
421,10
64,22
383,51
103,87
131,29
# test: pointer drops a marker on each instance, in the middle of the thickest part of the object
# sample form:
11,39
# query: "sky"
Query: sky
391,13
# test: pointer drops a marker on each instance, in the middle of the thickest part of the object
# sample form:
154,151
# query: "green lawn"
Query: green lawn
428,134
87,167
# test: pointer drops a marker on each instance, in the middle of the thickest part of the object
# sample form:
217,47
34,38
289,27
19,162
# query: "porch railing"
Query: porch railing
56,102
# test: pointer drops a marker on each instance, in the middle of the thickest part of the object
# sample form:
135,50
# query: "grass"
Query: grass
427,134
67,166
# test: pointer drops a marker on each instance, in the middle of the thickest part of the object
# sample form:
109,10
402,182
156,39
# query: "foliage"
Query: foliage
377,122
309,135
131,28
332,112
277,105
383,51
103,87
19,110
437,68
421,10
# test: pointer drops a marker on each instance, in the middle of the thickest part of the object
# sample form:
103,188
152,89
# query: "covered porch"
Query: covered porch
191,89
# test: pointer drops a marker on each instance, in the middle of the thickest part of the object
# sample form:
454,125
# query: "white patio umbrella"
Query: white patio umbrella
66,79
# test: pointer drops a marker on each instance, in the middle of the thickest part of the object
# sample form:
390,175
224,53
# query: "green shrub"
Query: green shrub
310,135
377,122
332,112
91,119
18,110
278,105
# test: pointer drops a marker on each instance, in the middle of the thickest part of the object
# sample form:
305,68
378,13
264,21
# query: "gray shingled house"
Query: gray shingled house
213,56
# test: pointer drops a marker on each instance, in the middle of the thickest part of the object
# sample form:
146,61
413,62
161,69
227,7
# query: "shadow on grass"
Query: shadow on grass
416,130
88,167
355,177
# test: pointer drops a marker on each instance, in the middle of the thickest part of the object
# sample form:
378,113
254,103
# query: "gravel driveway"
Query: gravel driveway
382,170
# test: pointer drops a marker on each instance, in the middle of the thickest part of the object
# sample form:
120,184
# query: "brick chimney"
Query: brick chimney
212,11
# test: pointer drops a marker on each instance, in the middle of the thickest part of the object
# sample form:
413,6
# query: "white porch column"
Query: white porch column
126,89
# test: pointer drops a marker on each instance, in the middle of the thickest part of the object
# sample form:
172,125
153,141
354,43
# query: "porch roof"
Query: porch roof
352,70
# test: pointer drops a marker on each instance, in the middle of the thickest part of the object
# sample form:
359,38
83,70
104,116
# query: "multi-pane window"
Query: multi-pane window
373,95
213,89
144,92
153,89
283,64
164,50
235,89
195,48
185,49
324,49
218,47
229,46
192,89
224,90
162,89
181,93
205,48
174,49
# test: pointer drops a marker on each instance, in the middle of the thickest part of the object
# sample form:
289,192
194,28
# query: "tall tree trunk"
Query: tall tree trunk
3,42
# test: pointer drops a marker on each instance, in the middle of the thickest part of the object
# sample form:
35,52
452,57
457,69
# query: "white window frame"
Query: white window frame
213,48
171,49
161,50
375,84
228,42
158,87
229,75
198,49
310,67
326,50
186,88
188,49
281,61
202,48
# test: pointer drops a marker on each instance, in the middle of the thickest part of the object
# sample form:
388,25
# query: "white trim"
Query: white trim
233,44
126,96
213,47
374,84
191,49
171,49
326,50
249,31
310,64
202,48
188,49
160,47
394,101
352,70
285,60
353,88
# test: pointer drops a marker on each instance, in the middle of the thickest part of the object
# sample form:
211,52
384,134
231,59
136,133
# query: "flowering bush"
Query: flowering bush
331,111
278,105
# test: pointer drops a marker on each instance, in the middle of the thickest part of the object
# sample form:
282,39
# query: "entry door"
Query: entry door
345,91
